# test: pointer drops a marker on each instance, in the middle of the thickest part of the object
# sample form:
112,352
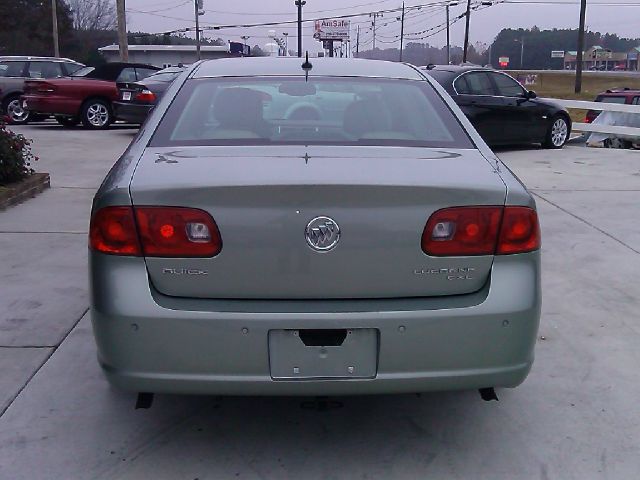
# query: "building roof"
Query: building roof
286,66
27,58
167,48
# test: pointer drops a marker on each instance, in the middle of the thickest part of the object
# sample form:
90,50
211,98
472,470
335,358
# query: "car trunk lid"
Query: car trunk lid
263,198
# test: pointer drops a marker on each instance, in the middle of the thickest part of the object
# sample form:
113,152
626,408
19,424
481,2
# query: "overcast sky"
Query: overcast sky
485,23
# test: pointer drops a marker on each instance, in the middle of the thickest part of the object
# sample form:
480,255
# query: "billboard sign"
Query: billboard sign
557,53
332,29
503,61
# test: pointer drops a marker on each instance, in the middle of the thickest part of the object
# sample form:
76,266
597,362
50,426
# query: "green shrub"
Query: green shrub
15,156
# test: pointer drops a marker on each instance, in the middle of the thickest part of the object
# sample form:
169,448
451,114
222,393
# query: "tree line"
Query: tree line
536,54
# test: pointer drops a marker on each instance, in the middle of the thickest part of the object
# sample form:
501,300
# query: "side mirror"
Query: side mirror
531,94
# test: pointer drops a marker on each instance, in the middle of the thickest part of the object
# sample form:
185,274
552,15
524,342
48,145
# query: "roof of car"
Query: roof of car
110,71
457,69
620,91
285,66
27,58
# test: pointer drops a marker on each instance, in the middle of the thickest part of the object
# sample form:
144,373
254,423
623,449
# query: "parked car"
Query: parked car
628,96
136,99
501,109
318,228
15,70
86,96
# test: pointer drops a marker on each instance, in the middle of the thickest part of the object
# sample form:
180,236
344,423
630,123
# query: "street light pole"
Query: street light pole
522,53
54,20
286,43
299,4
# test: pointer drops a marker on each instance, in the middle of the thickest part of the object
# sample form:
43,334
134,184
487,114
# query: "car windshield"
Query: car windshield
320,111
83,72
611,99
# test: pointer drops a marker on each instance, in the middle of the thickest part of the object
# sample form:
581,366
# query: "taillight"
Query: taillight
462,231
113,231
520,231
177,232
161,232
146,96
467,231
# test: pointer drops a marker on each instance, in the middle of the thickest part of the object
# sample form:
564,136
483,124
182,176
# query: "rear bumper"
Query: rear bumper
53,105
148,342
131,112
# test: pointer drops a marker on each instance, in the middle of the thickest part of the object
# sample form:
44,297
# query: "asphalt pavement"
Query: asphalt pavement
575,417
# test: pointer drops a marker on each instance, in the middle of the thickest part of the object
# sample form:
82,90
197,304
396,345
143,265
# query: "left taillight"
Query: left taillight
146,96
155,232
113,231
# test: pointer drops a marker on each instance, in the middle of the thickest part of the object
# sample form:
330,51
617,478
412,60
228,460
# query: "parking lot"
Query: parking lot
575,417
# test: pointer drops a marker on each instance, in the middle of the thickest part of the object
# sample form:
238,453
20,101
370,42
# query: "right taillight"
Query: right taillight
154,232
481,230
520,231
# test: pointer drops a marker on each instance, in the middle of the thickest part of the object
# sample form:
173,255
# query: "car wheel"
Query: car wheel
558,132
17,115
96,114
67,121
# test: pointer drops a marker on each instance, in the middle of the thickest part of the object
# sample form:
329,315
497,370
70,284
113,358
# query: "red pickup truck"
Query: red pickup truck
86,96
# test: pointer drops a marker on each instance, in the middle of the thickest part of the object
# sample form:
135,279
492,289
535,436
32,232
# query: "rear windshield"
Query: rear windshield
164,76
320,111
608,99
83,72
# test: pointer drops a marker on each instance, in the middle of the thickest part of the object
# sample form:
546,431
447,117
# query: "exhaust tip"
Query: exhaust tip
488,394
144,400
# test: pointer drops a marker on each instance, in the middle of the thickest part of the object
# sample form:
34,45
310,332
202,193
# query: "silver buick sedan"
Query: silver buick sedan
319,227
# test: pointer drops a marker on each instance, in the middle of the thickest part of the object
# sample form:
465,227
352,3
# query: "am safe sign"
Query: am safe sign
332,29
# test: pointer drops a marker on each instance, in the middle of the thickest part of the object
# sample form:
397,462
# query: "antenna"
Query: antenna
306,66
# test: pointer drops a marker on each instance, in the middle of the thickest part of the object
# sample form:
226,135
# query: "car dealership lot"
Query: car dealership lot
576,415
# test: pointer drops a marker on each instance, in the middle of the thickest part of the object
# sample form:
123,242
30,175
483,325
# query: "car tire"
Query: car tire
558,132
12,106
67,121
96,114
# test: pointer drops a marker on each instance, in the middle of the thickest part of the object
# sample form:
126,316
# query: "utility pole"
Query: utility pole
198,8
448,40
583,12
54,20
522,53
466,32
402,31
358,42
300,4
122,31
374,15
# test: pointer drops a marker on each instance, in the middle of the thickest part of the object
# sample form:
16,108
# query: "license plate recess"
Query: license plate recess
302,354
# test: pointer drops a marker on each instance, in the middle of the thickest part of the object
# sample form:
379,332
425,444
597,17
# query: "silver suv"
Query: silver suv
14,71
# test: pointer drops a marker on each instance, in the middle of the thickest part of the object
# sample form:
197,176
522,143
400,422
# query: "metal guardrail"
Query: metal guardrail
620,130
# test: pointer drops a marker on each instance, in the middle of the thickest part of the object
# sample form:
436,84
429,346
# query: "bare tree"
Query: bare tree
93,14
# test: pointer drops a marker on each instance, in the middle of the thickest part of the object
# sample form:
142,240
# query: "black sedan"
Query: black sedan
136,99
501,109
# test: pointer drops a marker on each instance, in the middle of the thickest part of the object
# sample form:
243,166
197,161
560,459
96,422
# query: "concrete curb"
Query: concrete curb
24,189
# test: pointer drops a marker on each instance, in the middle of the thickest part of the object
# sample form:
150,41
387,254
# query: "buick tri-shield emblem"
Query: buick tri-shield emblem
322,233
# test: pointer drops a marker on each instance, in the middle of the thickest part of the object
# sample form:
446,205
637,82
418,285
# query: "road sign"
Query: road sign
503,61
557,53
332,29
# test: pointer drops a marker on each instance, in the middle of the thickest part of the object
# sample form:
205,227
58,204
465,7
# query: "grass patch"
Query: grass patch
561,85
